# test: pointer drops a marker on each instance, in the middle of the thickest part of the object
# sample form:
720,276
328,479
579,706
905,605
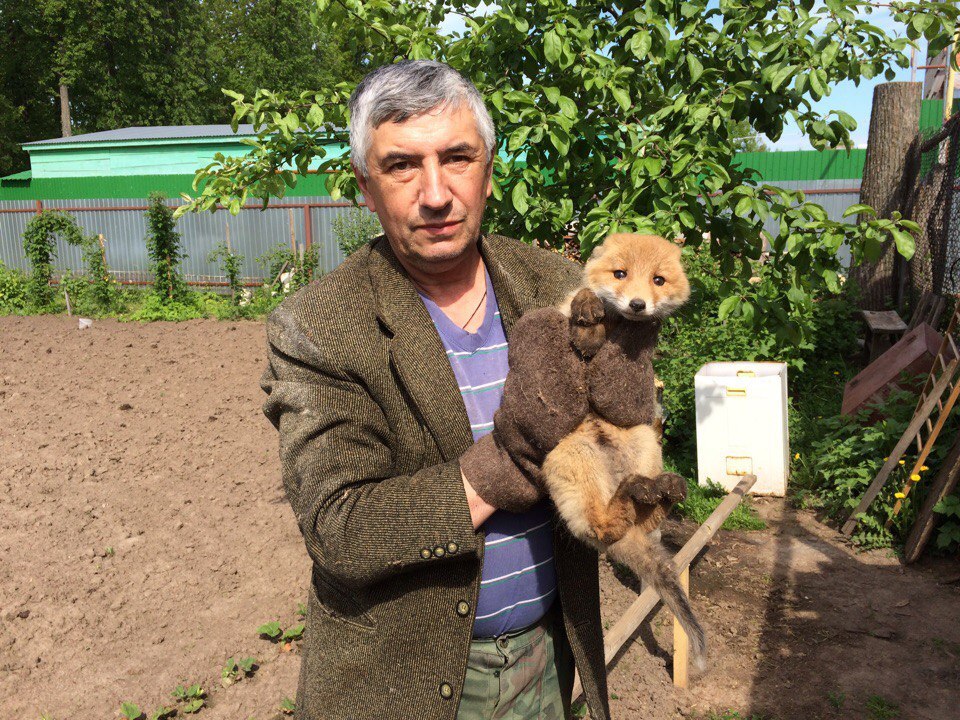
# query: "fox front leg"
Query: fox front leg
587,330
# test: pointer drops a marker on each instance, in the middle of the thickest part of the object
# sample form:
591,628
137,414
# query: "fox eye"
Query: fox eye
659,280
619,274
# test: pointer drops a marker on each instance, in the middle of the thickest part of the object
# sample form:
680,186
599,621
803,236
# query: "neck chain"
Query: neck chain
464,325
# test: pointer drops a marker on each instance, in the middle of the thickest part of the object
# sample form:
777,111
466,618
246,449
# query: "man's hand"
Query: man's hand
480,509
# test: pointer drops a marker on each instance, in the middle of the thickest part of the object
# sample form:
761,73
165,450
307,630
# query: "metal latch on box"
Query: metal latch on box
739,465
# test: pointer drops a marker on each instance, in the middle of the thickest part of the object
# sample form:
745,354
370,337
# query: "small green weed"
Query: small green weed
881,709
191,696
130,711
275,632
837,698
287,706
236,670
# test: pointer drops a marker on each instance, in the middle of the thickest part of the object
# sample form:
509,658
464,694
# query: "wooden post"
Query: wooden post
293,233
103,255
229,251
67,298
681,642
307,226
628,623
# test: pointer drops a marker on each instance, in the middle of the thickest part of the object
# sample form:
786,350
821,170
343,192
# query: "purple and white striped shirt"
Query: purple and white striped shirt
518,582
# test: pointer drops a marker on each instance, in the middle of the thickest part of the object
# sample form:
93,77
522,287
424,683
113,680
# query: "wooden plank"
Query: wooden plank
943,485
883,321
681,642
628,623
919,418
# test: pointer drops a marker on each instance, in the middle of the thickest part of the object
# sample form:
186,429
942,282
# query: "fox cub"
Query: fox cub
606,477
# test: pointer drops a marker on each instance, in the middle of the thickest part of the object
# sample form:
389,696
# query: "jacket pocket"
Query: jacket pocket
338,603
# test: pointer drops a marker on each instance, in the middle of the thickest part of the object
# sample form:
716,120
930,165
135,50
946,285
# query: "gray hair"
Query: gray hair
410,87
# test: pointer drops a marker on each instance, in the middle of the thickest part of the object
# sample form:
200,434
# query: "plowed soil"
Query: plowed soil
145,536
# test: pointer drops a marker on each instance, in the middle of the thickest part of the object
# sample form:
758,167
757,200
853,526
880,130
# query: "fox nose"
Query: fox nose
638,305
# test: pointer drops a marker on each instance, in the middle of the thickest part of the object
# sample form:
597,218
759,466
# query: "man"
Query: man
426,601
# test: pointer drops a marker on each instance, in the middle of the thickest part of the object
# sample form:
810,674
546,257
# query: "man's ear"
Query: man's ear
362,182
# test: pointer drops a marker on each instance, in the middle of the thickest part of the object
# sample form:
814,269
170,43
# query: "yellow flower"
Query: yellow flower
915,477
797,456
885,459
836,372
899,496
923,468
901,462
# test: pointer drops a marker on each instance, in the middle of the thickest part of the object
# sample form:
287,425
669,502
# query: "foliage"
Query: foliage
39,238
13,290
130,711
287,706
881,709
698,334
232,263
156,307
103,294
190,696
235,670
284,259
163,248
144,62
701,501
354,229
948,535
622,118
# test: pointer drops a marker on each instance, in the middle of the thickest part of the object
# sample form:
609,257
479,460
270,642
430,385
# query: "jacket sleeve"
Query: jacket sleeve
361,524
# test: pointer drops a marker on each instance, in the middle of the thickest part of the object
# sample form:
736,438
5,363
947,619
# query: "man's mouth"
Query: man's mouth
440,228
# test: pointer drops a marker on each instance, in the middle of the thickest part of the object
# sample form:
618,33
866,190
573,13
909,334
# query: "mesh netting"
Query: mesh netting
930,201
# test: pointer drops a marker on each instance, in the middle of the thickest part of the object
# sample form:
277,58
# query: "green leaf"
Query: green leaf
904,242
568,108
695,67
858,209
639,44
622,97
271,630
551,46
553,94
519,197
829,54
728,306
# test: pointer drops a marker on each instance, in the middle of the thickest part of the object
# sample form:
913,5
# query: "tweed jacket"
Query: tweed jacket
371,425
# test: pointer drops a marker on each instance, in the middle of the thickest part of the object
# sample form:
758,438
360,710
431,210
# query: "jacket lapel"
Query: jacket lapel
416,352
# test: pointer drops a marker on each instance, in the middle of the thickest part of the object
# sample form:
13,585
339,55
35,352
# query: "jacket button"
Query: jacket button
446,692
452,547
463,608
438,551
425,553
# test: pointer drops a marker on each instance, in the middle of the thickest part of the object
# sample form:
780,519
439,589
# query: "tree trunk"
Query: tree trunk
894,122
64,110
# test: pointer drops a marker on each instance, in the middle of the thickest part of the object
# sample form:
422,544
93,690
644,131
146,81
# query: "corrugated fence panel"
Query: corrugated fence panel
253,233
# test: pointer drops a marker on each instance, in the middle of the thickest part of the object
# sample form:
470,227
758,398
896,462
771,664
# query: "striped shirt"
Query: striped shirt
518,582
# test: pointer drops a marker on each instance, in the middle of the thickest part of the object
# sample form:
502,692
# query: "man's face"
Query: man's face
428,180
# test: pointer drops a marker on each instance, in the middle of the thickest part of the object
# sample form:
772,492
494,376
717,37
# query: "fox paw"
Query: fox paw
671,487
586,308
641,489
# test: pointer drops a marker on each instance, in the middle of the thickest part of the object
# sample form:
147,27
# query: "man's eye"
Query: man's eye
399,166
659,280
619,274
460,158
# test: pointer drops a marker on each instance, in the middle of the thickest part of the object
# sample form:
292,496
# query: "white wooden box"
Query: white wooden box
742,424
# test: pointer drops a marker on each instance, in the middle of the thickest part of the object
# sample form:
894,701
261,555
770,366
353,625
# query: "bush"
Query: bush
231,262
283,258
13,290
163,247
39,244
355,229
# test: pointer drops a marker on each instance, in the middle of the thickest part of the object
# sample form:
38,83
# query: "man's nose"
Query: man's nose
434,190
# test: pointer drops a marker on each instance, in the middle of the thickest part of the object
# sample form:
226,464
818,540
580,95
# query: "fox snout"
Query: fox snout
638,305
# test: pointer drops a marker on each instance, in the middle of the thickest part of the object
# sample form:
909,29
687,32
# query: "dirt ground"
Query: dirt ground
145,536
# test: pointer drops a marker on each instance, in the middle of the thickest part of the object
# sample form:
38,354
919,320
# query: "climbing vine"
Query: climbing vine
163,247
232,262
39,243
104,291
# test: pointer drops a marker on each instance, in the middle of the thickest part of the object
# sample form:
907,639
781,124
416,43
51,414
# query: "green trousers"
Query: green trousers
520,676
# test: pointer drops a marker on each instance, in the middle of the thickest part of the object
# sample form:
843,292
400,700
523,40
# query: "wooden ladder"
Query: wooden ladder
942,376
